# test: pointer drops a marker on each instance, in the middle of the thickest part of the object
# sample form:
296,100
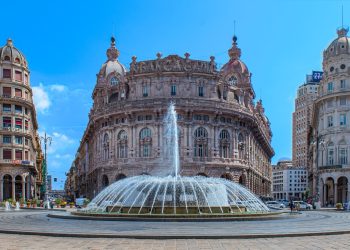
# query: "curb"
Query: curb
166,237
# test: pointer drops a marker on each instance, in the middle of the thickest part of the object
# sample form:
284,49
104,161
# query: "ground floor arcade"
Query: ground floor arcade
334,187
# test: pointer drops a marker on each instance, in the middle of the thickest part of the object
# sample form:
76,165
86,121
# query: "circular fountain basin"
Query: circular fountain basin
174,197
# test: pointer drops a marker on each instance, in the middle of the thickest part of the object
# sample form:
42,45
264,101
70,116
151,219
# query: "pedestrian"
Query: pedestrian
291,206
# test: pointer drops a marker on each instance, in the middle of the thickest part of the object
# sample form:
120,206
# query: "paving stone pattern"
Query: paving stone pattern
14,242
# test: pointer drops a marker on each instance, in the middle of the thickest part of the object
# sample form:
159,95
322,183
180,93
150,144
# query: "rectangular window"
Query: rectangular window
173,89
18,140
329,103
343,156
330,121
342,101
26,142
145,91
342,120
18,155
18,109
26,111
200,91
6,108
26,155
6,122
6,139
330,156
330,87
26,95
140,118
18,92
18,75
6,91
7,154
26,125
342,84
148,117
18,123
6,73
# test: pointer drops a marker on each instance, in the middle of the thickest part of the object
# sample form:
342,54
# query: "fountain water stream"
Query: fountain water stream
174,194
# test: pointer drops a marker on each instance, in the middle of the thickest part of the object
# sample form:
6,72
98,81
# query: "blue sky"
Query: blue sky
65,44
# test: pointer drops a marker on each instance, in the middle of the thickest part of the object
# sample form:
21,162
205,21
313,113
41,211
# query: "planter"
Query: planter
63,206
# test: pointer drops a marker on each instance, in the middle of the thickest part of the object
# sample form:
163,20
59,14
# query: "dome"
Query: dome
112,65
9,53
341,45
235,65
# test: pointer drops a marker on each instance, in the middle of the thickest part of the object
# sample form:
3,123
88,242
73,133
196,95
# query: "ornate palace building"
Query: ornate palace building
223,133
331,128
20,154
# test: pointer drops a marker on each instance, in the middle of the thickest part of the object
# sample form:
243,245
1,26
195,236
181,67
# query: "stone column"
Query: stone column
321,194
348,198
1,189
324,194
13,188
335,193
23,190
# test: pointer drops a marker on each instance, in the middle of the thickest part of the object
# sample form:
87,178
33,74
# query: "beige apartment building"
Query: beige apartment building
302,116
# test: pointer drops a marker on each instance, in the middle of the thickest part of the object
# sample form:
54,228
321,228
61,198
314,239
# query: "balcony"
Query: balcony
330,167
18,162
16,99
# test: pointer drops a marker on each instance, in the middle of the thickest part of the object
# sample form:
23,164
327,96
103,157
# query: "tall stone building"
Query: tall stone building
223,133
302,117
331,136
20,154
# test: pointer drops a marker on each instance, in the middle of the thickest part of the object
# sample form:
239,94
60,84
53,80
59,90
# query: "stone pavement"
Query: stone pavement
14,242
311,222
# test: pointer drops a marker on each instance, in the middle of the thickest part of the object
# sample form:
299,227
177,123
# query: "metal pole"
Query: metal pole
46,140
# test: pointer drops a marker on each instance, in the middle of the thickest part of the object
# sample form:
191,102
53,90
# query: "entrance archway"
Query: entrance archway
105,181
227,176
120,177
342,189
329,191
242,180
7,187
202,174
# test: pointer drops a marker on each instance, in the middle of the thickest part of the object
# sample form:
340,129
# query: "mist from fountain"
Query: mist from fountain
7,206
174,194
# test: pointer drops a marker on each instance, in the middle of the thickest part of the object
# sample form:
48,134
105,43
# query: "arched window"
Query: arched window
232,81
114,81
105,147
17,60
225,144
145,142
7,58
122,144
200,142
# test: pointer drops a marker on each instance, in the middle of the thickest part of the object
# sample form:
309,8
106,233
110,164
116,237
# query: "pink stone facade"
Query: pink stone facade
223,132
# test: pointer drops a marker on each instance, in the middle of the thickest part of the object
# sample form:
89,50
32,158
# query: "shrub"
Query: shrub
339,206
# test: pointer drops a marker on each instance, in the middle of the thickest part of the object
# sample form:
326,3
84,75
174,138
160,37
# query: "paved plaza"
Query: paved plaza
36,222
43,242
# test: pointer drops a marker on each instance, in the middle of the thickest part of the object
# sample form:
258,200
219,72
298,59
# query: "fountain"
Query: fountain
174,195
17,206
7,206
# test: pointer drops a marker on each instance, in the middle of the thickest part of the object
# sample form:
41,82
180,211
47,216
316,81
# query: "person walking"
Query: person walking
291,205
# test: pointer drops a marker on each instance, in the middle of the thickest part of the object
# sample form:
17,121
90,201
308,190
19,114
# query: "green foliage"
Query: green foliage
339,206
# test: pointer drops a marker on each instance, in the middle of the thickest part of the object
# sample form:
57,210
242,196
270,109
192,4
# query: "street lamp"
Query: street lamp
46,140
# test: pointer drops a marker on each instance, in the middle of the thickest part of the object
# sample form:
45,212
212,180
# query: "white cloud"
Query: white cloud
58,87
41,98
59,143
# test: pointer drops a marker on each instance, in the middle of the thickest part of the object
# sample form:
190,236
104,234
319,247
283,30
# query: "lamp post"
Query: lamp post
47,140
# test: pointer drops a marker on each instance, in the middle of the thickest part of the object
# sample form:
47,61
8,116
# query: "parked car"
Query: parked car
275,204
284,202
302,205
